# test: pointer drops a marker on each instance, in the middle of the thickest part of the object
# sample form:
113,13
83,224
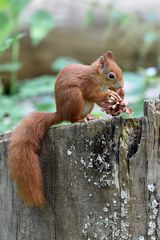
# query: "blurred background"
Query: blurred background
40,37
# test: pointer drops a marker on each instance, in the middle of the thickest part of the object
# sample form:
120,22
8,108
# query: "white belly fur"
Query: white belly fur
88,106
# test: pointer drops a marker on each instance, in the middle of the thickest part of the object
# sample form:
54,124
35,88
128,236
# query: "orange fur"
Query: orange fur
75,86
23,159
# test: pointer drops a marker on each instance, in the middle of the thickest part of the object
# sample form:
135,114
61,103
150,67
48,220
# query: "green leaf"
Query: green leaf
1,88
47,107
137,108
62,62
19,36
17,6
120,16
134,83
90,18
10,67
10,113
5,44
5,26
150,37
38,86
42,23
152,16
4,4
61,124
9,41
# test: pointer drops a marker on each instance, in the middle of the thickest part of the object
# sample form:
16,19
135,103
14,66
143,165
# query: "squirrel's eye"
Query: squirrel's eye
111,75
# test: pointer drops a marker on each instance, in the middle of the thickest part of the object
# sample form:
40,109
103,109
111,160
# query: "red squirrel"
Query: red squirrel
78,87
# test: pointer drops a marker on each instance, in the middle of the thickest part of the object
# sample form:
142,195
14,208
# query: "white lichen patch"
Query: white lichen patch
105,209
109,223
151,187
153,210
97,162
124,194
141,238
83,162
100,168
71,150
124,215
154,204
90,143
152,224
69,153
153,238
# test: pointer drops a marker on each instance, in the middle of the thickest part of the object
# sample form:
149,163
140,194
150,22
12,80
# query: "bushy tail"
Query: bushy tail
23,163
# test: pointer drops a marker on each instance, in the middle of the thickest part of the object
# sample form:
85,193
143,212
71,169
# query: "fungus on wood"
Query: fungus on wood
101,182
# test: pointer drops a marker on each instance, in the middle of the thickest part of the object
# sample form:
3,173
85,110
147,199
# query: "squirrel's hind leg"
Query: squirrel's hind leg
70,104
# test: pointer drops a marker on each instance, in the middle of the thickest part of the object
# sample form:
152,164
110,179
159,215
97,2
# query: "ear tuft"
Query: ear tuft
110,55
102,60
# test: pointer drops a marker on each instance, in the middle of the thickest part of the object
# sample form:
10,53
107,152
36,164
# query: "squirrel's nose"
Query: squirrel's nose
118,85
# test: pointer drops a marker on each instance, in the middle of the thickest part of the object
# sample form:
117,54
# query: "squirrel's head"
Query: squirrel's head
110,73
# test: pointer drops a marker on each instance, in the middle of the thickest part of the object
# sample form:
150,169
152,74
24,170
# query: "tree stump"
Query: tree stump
101,182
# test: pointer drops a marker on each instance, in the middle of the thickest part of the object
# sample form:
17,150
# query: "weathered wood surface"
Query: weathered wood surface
101,179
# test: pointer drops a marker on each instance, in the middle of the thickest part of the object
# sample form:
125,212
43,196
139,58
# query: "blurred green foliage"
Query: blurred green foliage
40,25
42,22
140,30
7,67
37,95
62,62
10,11
32,95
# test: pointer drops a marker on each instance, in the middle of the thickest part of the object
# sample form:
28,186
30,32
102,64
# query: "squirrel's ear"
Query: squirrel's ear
102,61
109,54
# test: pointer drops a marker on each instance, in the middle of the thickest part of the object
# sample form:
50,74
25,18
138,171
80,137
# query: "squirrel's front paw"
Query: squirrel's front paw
114,106
113,96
